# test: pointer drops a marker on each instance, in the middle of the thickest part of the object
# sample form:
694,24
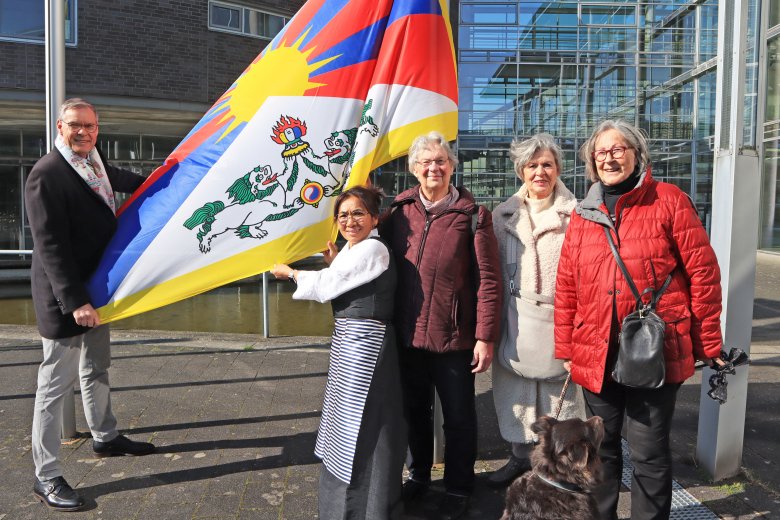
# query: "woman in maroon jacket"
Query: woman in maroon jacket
658,232
447,310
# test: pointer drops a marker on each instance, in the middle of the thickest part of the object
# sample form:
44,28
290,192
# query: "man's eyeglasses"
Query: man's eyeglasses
438,162
357,215
616,152
90,128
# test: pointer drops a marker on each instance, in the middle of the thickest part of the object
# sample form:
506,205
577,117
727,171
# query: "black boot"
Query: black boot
505,475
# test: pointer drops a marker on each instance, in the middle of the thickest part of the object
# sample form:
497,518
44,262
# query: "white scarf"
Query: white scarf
537,206
90,169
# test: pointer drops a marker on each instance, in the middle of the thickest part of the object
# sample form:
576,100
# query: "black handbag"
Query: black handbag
640,360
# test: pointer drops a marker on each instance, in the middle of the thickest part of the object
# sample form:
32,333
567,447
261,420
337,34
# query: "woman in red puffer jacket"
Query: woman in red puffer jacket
657,232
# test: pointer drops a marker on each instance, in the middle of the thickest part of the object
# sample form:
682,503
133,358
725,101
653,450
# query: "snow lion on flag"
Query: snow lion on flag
262,195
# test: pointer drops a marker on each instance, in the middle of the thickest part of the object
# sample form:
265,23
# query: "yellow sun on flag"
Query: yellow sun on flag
283,71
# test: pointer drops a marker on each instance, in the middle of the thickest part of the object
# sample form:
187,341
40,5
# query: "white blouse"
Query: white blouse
352,267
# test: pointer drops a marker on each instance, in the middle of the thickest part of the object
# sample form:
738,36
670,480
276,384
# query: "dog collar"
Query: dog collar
566,486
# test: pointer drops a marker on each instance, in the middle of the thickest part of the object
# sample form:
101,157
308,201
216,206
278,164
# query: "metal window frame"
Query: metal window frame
581,22
516,6
242,9
226,28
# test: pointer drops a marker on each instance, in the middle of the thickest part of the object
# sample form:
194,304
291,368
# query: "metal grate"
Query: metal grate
684,505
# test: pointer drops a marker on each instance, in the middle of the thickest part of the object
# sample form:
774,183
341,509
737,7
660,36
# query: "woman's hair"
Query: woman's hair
523,151
370,196
428,141
74,103
634,137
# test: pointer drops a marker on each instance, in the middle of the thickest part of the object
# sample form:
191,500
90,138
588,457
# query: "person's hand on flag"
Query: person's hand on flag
330,252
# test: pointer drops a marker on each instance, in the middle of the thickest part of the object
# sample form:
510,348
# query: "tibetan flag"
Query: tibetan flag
344,88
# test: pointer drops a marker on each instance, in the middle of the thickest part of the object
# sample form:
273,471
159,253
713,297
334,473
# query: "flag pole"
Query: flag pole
266,328
54,35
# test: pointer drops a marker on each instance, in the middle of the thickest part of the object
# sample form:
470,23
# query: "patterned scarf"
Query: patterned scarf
91,170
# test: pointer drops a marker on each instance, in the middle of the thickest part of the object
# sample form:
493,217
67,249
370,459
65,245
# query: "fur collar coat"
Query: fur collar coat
520,401
540,244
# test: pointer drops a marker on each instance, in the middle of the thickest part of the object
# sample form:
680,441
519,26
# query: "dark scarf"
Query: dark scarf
613,193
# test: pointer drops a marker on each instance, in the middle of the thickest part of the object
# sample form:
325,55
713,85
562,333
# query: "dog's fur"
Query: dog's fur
567,452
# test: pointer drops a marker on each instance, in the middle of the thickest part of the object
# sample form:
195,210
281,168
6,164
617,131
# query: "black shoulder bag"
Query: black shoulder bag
640,359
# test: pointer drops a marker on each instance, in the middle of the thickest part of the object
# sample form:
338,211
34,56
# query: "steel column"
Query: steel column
735,203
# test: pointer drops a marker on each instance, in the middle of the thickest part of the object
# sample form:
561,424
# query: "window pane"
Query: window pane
244,20
262,24
119,147
225,17
10,207
24,20
34,144
489,13
9,144
708,45
706,119
608,15
770,204
275,25
255,23
158,147
773,79
774,12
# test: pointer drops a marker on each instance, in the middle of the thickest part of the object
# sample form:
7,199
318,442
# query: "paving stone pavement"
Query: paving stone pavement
235,417
234,421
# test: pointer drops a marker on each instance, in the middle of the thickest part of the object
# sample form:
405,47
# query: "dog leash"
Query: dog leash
563,394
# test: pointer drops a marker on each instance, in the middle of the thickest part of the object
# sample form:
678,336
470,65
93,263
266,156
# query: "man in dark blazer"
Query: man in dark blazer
70,204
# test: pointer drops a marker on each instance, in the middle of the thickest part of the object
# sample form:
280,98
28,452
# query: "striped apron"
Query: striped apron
355,348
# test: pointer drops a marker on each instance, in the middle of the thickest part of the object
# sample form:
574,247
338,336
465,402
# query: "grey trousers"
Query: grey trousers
87,357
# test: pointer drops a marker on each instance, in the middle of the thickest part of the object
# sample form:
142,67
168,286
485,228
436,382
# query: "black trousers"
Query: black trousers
450,374
648,416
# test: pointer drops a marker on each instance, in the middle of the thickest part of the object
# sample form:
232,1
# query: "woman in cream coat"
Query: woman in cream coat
529,227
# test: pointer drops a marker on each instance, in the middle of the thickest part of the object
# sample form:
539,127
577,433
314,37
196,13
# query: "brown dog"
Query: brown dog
566,467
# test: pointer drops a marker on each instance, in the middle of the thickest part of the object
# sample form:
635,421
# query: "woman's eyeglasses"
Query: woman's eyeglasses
616,152
438,162
357,215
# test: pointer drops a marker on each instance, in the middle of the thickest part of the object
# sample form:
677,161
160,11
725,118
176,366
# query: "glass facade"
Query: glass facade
769,232
561,67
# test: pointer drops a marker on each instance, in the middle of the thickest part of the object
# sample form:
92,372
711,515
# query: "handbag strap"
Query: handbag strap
654,295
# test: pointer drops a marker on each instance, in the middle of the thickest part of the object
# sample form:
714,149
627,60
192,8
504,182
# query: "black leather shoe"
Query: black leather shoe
121,445
505,475
413,490
454,506
57,494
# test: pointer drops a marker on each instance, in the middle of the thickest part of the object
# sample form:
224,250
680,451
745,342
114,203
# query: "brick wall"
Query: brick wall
143,48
